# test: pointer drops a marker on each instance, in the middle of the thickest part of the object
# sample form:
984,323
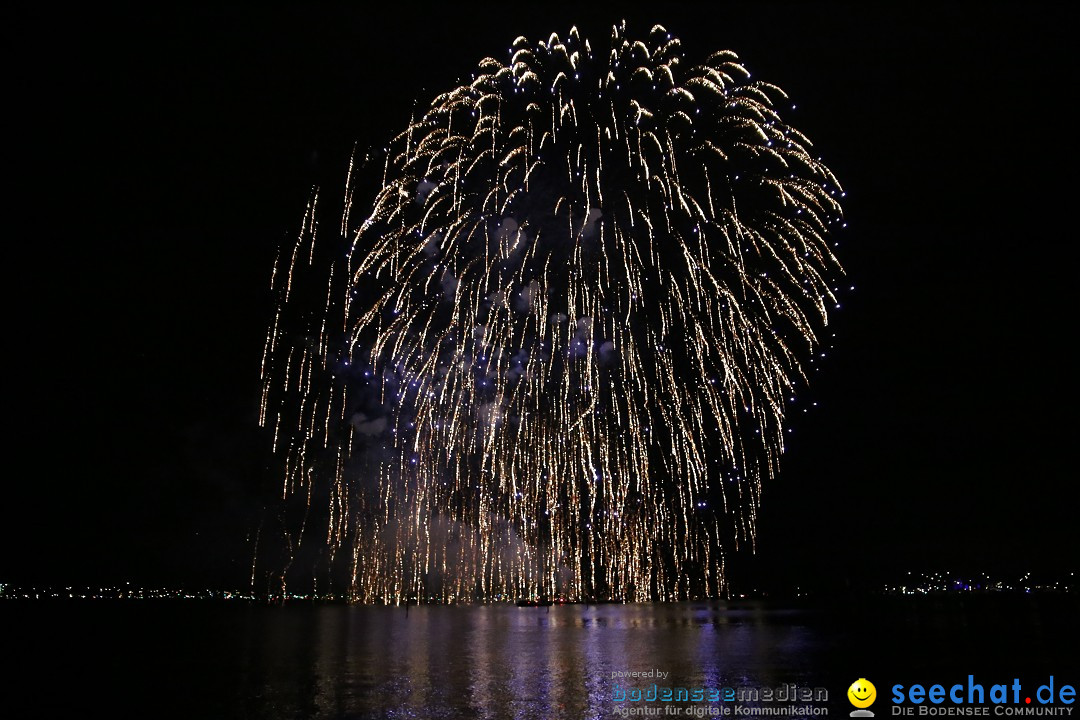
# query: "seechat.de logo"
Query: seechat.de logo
862,694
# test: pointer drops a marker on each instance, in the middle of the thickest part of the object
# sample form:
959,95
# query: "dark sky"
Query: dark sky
156,161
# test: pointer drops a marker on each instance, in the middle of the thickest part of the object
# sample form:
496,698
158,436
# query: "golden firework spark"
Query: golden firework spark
571,320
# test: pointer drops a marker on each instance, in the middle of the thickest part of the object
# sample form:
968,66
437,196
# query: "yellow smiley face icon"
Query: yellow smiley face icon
862,693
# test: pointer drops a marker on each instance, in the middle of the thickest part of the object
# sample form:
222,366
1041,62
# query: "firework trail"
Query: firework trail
553,359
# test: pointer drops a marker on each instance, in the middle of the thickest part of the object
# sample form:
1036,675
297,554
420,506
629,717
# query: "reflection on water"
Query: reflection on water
509,662
207,660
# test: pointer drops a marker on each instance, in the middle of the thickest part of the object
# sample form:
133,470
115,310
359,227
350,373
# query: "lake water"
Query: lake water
155,659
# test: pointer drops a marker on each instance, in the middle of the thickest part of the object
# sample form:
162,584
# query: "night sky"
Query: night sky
157,160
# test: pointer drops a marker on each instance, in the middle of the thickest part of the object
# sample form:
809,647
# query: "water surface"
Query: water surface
230,660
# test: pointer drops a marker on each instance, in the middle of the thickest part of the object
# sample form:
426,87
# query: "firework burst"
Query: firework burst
555,358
